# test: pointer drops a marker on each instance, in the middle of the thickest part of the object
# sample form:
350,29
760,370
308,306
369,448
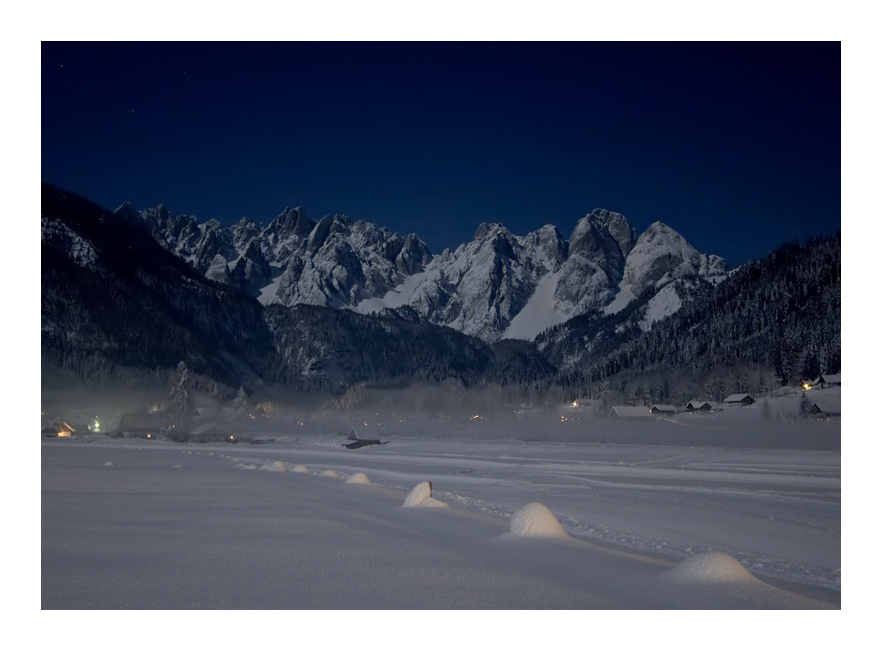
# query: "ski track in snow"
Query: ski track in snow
760,565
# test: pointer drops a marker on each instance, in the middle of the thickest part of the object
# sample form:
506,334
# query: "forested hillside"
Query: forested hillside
781,314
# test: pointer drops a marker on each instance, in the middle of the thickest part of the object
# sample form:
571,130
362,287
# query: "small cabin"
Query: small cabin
739,399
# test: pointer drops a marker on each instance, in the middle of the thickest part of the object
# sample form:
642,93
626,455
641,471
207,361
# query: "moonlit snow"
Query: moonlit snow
456,515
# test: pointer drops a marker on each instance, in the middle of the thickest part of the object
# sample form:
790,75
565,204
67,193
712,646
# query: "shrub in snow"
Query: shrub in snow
300,468
421,496
277,466
330,474
712,566
358,478
536,520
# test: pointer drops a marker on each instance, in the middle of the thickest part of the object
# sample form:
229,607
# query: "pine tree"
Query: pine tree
239,401
180,399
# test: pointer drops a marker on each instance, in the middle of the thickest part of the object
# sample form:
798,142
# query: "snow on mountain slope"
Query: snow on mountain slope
539,313
666,302
395,298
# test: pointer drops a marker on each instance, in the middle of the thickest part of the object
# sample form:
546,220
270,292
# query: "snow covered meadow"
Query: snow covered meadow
301,522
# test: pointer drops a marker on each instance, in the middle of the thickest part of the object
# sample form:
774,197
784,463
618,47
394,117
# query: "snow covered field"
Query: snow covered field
304,523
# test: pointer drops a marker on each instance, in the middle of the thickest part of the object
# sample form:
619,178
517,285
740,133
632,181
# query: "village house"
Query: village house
698,405
739,399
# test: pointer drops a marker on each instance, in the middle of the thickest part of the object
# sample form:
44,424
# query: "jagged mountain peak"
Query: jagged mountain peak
291,222
661,255
602,231
490,229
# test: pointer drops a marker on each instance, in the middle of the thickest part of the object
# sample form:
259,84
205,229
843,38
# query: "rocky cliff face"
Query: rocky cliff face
496,285
335,262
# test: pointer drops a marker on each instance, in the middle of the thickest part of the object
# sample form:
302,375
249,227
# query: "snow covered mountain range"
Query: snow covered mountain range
126,296
496,286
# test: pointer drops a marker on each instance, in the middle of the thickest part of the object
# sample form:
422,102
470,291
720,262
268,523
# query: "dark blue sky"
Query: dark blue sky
736,146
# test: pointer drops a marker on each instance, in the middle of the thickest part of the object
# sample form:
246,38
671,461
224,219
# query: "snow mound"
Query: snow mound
330,474
278,466
249,467
421,496
300,468
712,566
265,467
536,520
109,464
358,478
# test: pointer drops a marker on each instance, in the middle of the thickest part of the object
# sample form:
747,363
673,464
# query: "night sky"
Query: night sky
735,145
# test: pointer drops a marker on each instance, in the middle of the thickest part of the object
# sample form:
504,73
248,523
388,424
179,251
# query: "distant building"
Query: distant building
211,433
826,405
362,432
661,408
828,380
629,412
698,405
58,428
739,399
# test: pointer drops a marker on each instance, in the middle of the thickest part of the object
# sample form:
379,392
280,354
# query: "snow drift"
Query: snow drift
712,566
536,520
421,496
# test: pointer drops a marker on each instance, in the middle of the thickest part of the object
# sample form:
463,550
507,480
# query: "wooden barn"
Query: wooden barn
662,409
629,412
